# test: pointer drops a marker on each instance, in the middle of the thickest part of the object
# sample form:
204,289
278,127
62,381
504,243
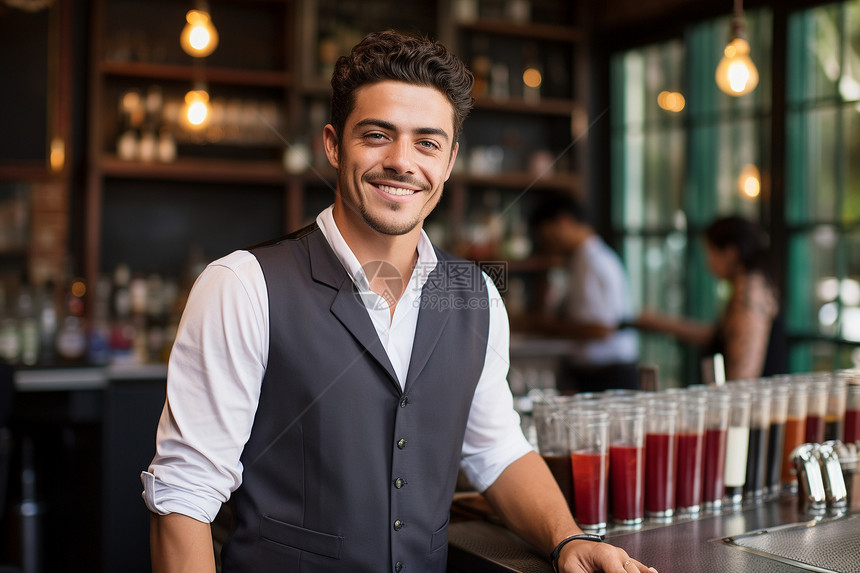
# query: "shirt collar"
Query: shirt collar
423,267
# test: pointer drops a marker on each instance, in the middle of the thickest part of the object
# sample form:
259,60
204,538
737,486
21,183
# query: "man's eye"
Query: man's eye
428,145
374,136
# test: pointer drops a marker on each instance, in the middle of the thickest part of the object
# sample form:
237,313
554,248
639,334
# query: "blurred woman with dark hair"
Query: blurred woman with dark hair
749,334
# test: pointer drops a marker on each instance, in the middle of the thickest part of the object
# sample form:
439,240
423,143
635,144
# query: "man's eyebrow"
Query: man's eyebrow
381,123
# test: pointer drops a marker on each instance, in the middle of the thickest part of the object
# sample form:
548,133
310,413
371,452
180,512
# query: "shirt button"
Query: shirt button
398,566
399,483
403,402
398,525
401,443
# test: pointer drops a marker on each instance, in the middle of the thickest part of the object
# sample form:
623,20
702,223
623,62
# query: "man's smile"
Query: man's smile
399,191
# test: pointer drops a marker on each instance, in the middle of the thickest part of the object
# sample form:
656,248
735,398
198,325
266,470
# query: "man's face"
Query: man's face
396,153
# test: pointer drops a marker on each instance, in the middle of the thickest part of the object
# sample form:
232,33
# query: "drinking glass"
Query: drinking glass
589,457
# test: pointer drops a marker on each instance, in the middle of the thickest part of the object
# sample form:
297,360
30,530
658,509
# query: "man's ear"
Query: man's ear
330,143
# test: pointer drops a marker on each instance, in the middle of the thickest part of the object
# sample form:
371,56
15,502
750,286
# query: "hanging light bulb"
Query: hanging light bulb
749,181
736,73
196,108
199,37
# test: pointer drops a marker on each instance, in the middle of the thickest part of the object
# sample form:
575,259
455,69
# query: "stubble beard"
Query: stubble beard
385,227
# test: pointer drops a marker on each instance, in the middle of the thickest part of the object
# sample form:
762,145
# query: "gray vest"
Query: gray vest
344,471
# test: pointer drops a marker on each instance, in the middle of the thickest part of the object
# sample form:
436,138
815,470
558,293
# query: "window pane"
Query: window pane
814,54
814,165
813,306
851,151
849,289
655,266
648,140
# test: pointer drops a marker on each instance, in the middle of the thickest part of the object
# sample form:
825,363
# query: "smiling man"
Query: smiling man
325,388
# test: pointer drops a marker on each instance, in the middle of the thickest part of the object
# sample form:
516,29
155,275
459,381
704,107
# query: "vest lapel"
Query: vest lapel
347,306
431,323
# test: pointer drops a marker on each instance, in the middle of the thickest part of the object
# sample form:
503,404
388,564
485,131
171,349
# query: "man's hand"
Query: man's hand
527,499
588,556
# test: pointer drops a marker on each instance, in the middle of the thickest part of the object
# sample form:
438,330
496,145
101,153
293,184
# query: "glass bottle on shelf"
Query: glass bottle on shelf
122,329
481,65
47,309
131,118
71,340
10,341
28,326
98,351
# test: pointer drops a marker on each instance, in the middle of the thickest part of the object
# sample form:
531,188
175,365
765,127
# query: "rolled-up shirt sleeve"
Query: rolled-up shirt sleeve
214,377
494,437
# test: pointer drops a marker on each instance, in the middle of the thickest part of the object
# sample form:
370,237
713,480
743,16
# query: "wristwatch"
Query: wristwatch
553,557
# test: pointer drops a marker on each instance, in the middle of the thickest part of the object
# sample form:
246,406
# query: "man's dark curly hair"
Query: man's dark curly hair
397,56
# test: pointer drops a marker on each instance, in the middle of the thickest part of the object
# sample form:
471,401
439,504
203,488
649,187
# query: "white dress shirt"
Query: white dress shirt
219,359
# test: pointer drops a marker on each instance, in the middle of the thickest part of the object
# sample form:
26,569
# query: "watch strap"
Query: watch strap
553,557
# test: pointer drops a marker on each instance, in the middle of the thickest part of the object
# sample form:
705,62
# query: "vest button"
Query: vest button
404,402
398,567
398,525
401,443
399,483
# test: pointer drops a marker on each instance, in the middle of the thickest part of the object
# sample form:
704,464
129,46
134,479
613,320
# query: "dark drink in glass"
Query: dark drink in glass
756,463
775,446
563,474
833,428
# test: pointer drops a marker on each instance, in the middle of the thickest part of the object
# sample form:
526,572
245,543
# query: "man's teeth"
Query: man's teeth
396,190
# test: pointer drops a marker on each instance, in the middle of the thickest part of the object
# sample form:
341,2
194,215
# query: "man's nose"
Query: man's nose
400,156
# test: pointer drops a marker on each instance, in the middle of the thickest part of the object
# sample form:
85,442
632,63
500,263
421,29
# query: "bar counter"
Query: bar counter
770,537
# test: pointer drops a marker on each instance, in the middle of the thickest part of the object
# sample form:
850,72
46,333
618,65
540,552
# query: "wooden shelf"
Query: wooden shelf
519,180
196,169
316,88
230,76
26,172
545,106
549,32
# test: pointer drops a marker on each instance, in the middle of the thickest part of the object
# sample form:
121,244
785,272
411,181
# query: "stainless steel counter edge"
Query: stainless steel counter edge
84,378
691,546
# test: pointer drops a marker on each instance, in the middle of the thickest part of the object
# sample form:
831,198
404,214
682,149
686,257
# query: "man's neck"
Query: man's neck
371,247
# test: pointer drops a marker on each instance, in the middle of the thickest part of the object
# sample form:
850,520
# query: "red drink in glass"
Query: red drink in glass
714,466
589,487
814,429
659,474
689,473
627,481
852,425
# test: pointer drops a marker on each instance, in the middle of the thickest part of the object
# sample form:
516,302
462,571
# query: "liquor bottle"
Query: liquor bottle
10,341
122,328
47,310
72,335
28,326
